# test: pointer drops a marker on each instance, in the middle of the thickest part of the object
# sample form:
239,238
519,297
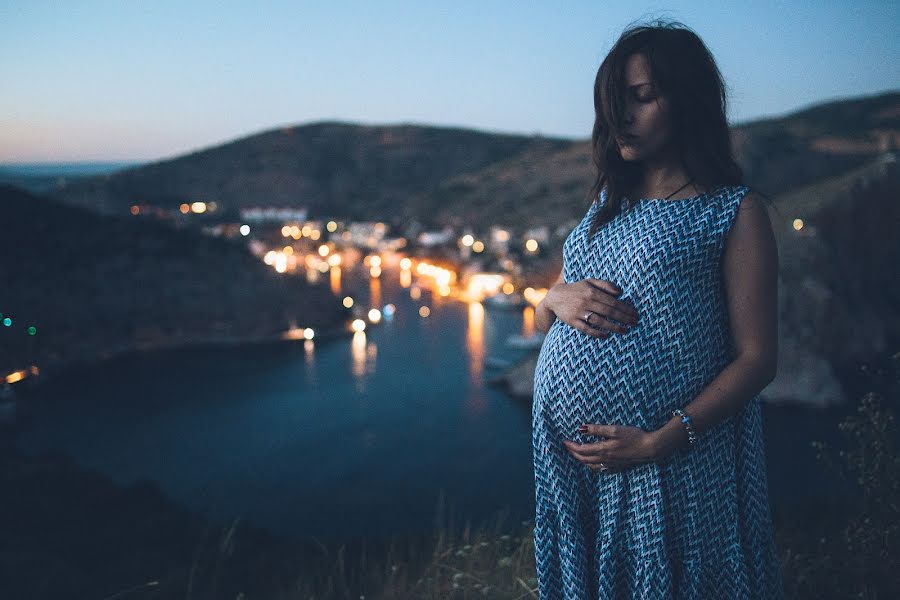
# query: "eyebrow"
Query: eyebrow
639,84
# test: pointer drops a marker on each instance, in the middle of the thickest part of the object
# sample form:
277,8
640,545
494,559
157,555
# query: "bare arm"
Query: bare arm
750,275
543,315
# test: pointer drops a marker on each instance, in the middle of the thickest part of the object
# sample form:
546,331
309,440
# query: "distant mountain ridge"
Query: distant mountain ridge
334,168
38,178
444,174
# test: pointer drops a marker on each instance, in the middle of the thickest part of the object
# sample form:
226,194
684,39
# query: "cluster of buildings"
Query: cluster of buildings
487,263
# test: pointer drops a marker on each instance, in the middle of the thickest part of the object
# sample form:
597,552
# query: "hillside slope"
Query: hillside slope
94,284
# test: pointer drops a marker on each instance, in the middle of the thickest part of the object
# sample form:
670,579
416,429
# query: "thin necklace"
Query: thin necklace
679,189
676,191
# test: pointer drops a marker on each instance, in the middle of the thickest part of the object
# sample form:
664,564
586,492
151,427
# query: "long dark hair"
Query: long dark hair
685,72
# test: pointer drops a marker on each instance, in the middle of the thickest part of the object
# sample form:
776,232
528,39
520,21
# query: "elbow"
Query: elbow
764,363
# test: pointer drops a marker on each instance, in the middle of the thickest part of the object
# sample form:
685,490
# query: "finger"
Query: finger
609,307
601,429
583,327
579,458
572,448
613,309
605,305
611,290
588,452
604,285
606,323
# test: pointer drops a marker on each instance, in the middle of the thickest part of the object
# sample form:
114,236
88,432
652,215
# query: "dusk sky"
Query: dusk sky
96,81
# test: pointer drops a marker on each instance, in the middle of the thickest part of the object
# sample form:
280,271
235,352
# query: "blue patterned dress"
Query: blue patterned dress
696,525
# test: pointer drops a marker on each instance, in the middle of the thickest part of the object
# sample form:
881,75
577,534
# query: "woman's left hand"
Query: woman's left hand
625,446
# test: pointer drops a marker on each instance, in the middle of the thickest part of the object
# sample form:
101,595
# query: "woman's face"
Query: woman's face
646,113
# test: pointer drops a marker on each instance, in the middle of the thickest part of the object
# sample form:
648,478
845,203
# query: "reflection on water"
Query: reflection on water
309,360
359,354
528,329
375,292
335,280
475,342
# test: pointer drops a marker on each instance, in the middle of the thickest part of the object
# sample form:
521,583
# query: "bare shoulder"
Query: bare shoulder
752,215
753,201
752,230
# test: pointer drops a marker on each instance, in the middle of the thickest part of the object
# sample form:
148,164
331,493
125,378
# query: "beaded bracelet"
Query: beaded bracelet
692,436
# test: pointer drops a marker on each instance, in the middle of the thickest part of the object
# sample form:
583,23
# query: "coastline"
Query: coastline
55,367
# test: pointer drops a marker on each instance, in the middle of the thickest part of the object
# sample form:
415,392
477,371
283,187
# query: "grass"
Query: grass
483,562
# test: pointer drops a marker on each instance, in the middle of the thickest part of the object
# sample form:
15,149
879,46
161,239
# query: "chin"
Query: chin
628,154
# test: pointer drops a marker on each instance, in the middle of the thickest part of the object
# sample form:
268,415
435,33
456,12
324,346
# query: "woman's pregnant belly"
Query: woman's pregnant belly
633,378
582,379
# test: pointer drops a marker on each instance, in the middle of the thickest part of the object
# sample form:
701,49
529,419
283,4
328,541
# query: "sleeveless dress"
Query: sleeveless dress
696,525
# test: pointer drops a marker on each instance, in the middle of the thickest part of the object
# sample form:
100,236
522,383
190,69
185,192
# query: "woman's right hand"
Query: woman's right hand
571,301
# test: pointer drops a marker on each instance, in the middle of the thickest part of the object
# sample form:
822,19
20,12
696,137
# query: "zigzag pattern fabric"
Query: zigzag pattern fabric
696,525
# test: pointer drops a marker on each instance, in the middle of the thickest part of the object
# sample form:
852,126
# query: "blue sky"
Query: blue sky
87,81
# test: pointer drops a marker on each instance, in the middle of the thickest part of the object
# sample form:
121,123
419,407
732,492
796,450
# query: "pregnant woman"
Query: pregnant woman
661,332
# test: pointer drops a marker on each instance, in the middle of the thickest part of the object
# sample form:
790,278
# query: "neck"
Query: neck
662,175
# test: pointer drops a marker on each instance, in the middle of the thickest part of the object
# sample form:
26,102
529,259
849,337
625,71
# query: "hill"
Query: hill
95,284
450,175
336,169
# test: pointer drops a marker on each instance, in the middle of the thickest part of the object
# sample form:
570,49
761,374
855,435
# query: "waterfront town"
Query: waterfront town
498,267
495,266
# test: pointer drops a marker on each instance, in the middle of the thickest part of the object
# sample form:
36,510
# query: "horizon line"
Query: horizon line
388,124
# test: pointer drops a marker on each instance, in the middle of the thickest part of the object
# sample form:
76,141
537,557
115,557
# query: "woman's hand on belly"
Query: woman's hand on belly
570,302
624,446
